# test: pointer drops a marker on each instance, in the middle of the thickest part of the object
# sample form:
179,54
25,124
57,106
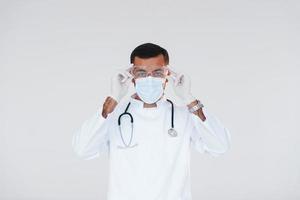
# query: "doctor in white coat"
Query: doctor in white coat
148,138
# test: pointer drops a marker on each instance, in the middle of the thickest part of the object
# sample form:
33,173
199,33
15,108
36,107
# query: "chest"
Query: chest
145,131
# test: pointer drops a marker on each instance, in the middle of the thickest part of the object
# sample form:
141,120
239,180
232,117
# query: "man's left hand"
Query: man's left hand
182,87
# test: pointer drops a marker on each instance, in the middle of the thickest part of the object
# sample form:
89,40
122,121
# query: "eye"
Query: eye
141,73
158,73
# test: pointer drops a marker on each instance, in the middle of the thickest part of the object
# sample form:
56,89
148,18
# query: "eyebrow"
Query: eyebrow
157,70
141,70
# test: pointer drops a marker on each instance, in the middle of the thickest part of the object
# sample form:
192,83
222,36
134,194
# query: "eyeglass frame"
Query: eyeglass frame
165,68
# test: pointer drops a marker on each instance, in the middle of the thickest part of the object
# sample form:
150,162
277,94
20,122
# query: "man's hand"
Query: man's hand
108,106
119,87
182,87
120,83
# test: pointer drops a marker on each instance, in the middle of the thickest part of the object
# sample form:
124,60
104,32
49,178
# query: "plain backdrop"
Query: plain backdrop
56,60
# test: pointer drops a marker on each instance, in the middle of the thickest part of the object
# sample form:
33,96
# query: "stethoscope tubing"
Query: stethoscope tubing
171,131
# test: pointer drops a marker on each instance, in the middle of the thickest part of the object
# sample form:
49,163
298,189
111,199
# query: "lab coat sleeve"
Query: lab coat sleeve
209,136
91,138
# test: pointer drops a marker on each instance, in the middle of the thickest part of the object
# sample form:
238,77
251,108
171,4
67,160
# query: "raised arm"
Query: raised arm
92,137
207,132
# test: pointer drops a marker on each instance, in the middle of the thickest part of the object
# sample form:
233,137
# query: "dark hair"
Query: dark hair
149,50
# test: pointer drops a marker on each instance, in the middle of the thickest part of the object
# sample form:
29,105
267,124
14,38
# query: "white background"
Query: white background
56,59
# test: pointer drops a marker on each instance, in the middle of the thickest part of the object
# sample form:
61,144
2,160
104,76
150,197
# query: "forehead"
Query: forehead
149,64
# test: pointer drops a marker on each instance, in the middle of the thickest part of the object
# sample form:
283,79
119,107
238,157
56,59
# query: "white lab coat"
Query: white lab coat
158,167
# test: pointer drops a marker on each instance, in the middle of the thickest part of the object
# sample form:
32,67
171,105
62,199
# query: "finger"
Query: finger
174,76
129,73
129,69
126,82
171,76
121,76
172,73
124,75
179,79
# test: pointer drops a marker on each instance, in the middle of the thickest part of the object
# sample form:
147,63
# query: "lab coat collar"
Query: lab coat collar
140,104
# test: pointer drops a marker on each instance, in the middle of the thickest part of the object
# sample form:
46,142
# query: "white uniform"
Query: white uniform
158,167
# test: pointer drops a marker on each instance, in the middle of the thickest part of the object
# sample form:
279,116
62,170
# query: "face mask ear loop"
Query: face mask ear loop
172,75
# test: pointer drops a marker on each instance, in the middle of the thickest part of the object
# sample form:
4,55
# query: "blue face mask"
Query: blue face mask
149,89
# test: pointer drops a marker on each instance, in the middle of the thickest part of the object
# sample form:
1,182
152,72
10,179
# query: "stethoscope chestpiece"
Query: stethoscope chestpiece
172,132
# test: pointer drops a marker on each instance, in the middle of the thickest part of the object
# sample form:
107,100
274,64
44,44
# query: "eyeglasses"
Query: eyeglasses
141,73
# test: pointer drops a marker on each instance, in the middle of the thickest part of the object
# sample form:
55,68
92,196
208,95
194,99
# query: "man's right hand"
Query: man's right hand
119,88
120,84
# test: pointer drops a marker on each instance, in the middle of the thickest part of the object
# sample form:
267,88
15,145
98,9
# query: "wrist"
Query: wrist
108,106
191,104
195,106
113,98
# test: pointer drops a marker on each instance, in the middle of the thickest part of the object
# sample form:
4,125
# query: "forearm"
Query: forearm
210,132
89,136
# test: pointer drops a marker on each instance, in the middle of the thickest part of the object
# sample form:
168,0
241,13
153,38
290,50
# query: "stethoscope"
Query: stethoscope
172,132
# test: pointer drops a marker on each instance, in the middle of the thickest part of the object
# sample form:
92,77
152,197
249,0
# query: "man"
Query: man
149,142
